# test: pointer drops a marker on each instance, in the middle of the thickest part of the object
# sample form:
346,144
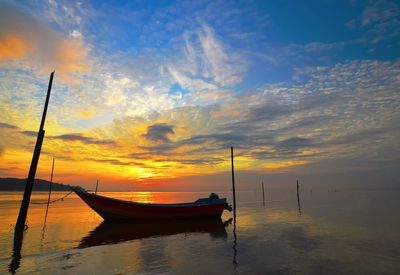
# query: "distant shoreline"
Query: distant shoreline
16,184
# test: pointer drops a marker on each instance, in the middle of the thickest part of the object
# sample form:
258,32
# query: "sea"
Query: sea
323,231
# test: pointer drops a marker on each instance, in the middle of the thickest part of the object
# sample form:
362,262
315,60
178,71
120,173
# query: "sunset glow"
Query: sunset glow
156,96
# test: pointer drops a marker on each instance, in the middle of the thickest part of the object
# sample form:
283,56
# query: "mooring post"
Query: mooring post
97,185
298,197
262,185
233,184
234,212
51,183
32,171
20,224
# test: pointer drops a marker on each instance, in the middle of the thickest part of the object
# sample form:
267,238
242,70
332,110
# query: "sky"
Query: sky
150,95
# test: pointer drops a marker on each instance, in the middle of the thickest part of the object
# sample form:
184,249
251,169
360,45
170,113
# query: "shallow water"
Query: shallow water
341,232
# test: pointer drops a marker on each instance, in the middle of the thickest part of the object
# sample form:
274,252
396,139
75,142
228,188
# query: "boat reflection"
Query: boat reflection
113,232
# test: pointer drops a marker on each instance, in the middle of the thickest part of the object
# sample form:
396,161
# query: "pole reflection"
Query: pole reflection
44,225
235,263
17,246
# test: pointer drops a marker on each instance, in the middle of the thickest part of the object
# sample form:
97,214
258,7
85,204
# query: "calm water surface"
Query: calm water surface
343,232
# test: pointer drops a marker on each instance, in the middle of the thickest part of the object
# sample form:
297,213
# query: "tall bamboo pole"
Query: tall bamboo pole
20,224
32,171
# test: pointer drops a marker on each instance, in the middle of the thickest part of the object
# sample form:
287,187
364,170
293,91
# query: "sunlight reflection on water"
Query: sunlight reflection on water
350,232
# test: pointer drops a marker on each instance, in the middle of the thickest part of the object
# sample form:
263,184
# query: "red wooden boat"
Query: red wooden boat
115,209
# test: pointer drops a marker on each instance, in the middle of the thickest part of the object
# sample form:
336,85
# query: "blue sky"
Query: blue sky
273,36
299,87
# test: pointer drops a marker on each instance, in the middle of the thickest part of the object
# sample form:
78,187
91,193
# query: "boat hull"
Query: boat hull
113,209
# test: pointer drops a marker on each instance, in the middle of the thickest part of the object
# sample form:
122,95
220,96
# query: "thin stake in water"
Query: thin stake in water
298,197
235,263
48,203
262,185
97,185
51,183
233,185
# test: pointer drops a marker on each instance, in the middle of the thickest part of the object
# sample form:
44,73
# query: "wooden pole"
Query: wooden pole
262,185
20,225
234,211
233,184
51,183
48,201
97,185
298,197
23,211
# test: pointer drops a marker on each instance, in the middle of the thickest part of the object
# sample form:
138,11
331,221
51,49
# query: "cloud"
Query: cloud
81,138
347,110
7,126
215,95
195,85
13,46
129,90
218,65
285,164
380,19
291,146
202,161
85,114
380,12
65,137
207,66
30,133
160,132
26,42
330,114
116,161
126,82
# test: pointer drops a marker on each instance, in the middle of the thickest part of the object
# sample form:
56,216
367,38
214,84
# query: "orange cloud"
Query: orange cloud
70,58
13,46
71,53
85,114
39,47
